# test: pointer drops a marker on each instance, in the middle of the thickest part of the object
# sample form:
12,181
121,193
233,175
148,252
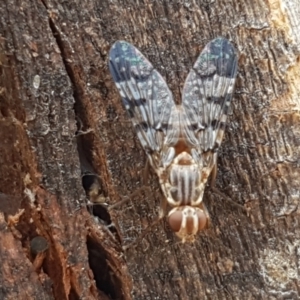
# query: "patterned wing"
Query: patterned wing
145,96
207,95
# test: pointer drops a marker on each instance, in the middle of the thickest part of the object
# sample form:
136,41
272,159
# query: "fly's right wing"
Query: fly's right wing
207,95
146,97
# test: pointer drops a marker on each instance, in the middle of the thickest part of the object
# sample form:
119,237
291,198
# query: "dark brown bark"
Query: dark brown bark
53,63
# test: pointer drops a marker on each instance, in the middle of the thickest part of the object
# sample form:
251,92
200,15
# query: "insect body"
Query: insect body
181,141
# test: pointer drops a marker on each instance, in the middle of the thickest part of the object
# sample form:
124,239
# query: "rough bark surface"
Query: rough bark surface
53,68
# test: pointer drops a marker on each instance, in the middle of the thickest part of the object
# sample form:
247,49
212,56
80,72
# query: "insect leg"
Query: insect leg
142,235
146,172
161,214
162,208
216,191
127,198
213,175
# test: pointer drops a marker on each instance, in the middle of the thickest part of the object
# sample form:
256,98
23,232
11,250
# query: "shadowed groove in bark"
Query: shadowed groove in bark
98,258
104,276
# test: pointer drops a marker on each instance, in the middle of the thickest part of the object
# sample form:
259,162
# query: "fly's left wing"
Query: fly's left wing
145,96
206,98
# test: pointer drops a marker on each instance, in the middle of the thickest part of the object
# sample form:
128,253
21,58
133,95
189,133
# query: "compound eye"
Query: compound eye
202,220
175,220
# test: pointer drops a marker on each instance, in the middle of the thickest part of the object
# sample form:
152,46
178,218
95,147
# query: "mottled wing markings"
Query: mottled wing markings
145,96
207,95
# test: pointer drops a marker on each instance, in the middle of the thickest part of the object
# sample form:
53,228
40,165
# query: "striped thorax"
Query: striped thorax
183,188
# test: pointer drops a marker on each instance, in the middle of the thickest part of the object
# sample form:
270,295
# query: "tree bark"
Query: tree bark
53,69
